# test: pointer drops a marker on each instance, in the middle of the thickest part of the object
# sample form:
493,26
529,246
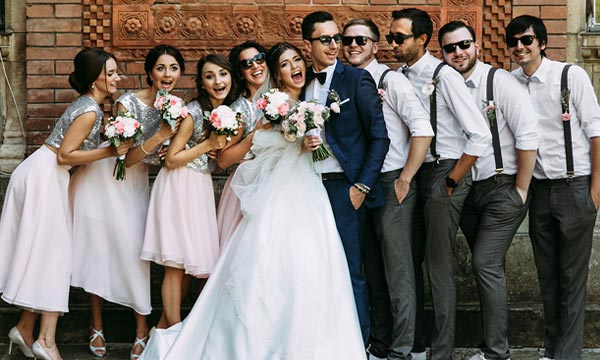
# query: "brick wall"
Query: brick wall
54,36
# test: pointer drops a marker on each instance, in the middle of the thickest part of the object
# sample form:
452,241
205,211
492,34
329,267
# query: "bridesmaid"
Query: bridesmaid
181,228
251,73
35,261
108,228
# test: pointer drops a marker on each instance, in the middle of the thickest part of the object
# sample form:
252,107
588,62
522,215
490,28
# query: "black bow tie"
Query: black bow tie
311,75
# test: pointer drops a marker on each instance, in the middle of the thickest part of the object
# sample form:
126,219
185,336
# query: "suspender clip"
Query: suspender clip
499,171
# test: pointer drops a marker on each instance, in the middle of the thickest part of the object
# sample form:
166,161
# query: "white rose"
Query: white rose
428,89
110,131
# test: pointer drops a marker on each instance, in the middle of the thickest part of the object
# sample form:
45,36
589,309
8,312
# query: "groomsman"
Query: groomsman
444,179
497,202
410,134
566,185
357,139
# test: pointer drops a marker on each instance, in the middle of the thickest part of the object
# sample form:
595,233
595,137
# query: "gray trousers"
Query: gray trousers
393,227
491,216
561,226
439,220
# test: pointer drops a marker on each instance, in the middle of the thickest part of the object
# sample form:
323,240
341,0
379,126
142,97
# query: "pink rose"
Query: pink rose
261,103
184,112
566,117
283,109
173,101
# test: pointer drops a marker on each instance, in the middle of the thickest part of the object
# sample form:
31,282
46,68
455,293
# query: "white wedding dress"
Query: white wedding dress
281,288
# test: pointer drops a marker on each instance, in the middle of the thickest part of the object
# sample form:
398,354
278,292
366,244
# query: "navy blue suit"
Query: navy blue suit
358,138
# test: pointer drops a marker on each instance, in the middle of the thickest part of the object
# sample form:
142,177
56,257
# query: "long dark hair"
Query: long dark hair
234,59
203,98
89,63
273,60
155,53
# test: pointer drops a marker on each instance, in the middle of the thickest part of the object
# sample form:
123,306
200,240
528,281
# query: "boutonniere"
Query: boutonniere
336,102
564,104
429,87
381,93
490,111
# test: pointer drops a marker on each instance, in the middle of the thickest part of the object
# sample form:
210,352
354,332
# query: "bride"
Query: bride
281,288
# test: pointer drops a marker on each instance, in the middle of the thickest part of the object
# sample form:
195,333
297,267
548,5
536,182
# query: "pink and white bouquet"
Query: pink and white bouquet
171,108
124,127
275,105
307,118
224,120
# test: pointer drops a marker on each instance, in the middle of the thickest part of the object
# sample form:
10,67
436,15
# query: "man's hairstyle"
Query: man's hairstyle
421,22
366,22
308,24
453,26
521,23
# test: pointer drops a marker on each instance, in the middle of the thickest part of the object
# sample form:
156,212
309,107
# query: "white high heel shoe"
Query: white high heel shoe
14,337
43,353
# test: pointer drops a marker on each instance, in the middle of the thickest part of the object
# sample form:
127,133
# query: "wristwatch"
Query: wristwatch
450,182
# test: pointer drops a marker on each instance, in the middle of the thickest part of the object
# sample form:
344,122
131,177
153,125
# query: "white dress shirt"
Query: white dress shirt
460,126
544,87
403,113
515,116
318,91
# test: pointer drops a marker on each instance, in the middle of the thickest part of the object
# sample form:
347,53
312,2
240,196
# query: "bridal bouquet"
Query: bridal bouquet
124,127
171,108
307,118
224,121
274,105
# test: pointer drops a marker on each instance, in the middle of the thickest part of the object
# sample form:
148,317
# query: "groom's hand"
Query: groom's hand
357,197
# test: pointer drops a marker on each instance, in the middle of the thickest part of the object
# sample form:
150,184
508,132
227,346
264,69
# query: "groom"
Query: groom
356,137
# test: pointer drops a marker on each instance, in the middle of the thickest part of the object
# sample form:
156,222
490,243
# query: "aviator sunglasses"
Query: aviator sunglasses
326,39
360,40
258,59
463,45
526,40
398,38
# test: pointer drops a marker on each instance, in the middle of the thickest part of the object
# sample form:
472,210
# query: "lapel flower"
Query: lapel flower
336,102
429,87
564,104
490,111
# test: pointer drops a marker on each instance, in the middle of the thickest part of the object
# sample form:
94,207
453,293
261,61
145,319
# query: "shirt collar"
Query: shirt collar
477,73
423,63
372,67
541,75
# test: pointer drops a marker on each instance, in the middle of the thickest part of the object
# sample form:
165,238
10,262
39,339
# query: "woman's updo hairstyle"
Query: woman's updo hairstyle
155,53
89,63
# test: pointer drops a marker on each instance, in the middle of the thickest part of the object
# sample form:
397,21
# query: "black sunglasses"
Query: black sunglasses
464,45
326,39
526,40
398,38
360,40
258,59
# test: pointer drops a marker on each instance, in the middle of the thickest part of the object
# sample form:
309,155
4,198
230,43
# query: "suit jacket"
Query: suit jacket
358,135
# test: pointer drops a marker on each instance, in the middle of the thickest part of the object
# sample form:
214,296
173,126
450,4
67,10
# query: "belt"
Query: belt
498,178
563,181
333,176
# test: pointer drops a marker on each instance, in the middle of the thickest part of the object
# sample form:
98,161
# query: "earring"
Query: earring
93,86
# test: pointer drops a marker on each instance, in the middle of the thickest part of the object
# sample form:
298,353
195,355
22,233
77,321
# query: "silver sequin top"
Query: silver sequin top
201,163
250,116
148,117
80,106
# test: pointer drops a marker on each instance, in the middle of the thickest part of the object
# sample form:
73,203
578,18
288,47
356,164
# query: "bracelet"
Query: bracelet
362,188
143,150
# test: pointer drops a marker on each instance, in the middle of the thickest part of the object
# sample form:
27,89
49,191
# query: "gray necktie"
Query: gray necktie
470,84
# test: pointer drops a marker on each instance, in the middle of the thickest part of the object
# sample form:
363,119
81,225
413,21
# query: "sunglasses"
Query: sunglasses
526,40
326,39
258,59
360,40
463,45
398,38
